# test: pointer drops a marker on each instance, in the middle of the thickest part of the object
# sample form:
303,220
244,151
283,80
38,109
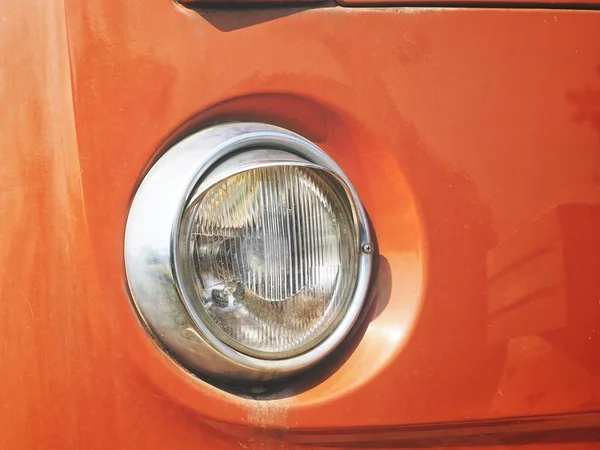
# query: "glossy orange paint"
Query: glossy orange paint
473,139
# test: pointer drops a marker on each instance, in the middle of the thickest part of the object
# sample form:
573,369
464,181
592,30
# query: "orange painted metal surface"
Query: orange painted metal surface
473,139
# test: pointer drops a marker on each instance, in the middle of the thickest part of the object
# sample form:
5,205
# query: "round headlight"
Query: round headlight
247,252
271,254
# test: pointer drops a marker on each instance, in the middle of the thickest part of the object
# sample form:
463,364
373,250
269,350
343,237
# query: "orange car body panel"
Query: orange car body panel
472,137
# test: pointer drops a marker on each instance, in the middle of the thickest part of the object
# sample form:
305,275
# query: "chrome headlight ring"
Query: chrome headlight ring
152,248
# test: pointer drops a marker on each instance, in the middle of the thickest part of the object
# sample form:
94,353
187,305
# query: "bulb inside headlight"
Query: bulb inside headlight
271,253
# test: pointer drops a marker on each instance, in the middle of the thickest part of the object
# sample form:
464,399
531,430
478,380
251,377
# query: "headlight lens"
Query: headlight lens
272,253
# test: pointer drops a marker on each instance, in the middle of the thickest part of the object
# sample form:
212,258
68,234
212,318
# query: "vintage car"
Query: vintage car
287,225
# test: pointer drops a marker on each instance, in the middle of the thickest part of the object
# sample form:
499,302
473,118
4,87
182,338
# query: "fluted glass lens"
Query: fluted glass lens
273,252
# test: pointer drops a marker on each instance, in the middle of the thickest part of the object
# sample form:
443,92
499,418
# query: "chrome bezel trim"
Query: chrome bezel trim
151,239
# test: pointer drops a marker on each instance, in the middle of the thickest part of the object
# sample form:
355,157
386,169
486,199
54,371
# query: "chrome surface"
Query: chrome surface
151,237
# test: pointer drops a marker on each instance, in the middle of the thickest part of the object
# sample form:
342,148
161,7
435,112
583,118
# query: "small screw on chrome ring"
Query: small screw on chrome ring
366,248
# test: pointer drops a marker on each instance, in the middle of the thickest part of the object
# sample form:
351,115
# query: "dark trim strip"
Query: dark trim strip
467,4
567,428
